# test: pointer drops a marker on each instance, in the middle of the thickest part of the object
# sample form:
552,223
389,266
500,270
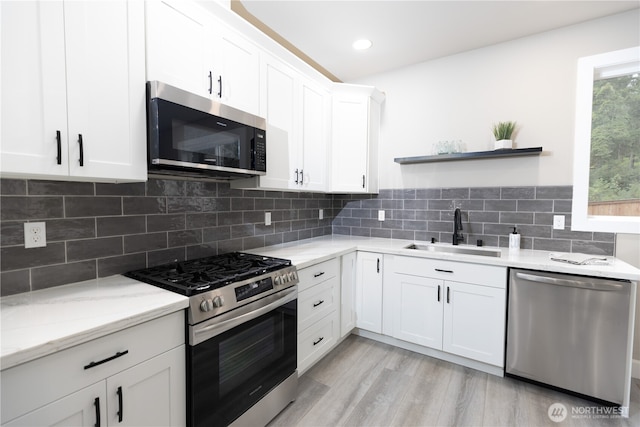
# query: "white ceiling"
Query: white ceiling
409,32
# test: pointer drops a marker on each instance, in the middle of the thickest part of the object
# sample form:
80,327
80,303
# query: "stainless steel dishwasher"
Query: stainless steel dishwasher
570,332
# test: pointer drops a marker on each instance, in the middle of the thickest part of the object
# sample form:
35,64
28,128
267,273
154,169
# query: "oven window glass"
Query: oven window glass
230,372
245,354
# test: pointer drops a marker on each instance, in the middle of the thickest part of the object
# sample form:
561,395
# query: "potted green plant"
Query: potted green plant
503,132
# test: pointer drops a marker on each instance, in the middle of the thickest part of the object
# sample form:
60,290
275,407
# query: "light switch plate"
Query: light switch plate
380,215
558,222
267,218
321,214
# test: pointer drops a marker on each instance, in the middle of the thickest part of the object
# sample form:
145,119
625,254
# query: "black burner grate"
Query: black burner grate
204,274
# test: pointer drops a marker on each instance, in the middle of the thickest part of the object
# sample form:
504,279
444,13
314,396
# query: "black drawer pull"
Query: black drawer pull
210,83
438,293
96,403
318,342
448,299
108,359
81,158
59,141
444,271
318,274
121,410
318,303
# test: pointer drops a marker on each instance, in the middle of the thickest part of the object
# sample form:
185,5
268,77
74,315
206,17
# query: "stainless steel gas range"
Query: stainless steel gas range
242,340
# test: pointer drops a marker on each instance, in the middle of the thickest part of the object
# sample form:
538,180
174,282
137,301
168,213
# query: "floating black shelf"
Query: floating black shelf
515,152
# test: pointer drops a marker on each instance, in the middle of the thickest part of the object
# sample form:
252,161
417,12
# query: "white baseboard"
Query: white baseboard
635,368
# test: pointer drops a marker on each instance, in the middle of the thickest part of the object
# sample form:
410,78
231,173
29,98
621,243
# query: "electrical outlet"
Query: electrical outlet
267,218
321,214
35,234
380,215
558,222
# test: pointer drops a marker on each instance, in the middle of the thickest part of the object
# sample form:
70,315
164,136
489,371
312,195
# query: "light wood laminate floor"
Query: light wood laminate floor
366,383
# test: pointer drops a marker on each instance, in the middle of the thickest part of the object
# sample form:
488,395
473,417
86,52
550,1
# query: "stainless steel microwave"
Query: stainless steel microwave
193,136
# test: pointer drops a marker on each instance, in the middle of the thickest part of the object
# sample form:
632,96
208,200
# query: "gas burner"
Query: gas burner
204,274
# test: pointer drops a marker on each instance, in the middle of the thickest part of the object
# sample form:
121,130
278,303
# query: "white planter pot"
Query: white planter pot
504,144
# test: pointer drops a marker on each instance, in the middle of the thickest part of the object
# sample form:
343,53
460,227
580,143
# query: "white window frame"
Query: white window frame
604,65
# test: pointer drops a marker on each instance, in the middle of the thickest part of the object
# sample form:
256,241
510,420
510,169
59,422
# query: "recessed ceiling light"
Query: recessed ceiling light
362,44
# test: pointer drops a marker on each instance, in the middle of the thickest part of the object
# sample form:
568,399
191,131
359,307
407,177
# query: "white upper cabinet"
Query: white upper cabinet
355,134
313,145
190,48
177,46
236,62
73,90
278,98
297,110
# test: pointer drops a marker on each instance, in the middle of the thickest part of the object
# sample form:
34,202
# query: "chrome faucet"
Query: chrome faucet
457,227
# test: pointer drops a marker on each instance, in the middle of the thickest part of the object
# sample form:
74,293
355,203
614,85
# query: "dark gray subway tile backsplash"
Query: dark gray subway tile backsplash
489,214
97,229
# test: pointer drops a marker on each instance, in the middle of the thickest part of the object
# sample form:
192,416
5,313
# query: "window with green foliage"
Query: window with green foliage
615,143
606,194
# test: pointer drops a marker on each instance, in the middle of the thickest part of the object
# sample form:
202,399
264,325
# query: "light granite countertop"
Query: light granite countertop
304,253
35,324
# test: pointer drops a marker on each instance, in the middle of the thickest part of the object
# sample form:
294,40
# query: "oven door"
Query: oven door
233,362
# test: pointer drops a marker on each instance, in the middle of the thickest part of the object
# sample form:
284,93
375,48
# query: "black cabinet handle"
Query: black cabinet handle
297,176
318,303
59,141
121,409
444,271
362,181
301,177
108,359
378,266
448,296
318,274
318,342
81,149
220,87
438,293
96,403
210,83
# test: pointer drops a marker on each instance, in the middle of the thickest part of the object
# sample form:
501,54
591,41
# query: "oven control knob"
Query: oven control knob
206,305
289,277
217,301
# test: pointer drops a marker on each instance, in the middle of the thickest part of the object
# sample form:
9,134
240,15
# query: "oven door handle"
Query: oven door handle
216,326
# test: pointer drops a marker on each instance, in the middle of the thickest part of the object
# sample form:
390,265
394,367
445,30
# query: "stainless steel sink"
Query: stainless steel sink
463,250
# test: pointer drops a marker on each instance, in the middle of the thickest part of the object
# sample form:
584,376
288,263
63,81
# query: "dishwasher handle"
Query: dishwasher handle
588,283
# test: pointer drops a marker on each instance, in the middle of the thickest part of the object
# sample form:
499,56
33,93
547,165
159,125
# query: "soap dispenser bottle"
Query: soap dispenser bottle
514,239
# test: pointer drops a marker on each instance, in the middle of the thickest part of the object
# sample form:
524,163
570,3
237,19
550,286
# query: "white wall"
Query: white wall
530,80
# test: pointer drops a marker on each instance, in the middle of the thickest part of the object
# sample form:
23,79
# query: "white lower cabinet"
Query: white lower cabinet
134,377
455,307
368,295
347,293
318,312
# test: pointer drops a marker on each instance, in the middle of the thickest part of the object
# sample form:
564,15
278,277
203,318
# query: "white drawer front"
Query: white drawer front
316,341
30,385
318,273
486,275
316,302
